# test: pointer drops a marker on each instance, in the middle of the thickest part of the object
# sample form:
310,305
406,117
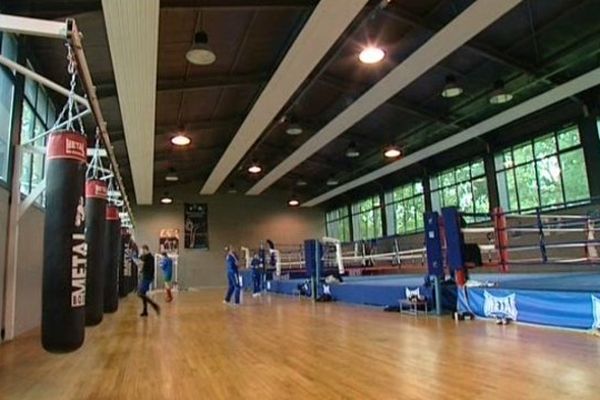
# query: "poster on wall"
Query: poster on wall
169,241
196,226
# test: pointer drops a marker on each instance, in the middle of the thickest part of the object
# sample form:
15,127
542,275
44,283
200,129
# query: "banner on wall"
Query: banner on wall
169,241
196,226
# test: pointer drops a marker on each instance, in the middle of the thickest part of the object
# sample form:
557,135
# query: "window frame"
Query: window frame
502,170
438,188
337,222
375,210
391,202
5,178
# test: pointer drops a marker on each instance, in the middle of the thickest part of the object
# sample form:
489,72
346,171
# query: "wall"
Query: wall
29,258
236,219
3,232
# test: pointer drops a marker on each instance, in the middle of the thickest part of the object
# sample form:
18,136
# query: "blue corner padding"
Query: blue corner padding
567,309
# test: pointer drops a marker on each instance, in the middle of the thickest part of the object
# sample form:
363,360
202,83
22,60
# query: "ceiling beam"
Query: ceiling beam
57,9
134,54
109,89
559,93
459,31
327,22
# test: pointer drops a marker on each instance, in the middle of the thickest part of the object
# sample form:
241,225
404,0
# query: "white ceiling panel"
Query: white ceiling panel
132,29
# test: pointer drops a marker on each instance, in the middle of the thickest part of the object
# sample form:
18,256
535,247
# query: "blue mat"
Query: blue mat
562,281
567,300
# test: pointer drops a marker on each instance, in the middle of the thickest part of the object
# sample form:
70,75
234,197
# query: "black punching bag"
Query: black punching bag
111,259
95,223
122,279
134,267
65,250
125,282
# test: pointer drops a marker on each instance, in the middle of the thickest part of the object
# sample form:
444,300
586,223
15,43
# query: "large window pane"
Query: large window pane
568,138
6,98
527,187
523,154
575,176
338,224
477,169
480,196
544,146
557,175
462,192
548,173
366,219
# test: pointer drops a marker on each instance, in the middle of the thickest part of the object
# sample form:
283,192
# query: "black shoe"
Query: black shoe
144,314
156,308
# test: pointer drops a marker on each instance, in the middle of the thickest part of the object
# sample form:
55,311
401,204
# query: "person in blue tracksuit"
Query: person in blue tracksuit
262,262
256,275
166,265
233,279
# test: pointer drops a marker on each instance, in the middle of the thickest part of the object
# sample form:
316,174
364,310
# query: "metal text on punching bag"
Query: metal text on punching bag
79,264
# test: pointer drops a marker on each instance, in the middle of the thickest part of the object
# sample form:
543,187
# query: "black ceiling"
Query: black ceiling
536,46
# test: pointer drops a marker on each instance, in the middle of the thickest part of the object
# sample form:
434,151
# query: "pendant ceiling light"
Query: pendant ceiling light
352,151
201,53
371,55
500,95
451,89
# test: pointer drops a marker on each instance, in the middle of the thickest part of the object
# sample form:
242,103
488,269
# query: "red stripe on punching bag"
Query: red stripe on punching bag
67,144
95,189
112,213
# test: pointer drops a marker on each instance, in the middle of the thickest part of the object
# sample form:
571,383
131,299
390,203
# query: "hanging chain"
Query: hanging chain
71,107
95,167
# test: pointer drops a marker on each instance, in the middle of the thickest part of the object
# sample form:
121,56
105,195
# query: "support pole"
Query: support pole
90,89
437,288
10,299
42,80
33,27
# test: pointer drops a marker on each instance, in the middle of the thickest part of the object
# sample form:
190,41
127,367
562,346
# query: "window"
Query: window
38,116
464,186
8,48
338,224
404,207
366,219
547,172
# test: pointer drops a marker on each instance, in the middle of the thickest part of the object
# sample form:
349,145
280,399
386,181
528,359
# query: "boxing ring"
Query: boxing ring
374,273
549,272
534,268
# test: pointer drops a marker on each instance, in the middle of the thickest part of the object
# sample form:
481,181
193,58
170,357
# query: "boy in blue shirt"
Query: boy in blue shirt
166,265
233,279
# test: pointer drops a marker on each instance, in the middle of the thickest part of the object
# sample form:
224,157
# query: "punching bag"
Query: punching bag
125,286
122,261
65,249
111,259
134,267
95,223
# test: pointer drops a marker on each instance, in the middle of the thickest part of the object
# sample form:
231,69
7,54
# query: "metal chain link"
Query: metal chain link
71,105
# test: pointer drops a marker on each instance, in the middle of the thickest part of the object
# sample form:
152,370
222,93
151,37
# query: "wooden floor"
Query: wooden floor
284,348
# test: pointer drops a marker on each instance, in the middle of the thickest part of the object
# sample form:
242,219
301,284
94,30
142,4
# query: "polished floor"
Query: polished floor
285,348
